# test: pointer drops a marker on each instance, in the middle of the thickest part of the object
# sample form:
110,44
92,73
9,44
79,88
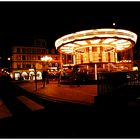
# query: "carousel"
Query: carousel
99,50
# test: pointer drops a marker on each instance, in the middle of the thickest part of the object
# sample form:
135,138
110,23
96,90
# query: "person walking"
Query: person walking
47,77
44,75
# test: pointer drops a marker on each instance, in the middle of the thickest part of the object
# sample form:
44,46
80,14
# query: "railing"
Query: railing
133,78
111,81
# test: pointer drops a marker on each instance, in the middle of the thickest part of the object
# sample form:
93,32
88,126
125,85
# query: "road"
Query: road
28,116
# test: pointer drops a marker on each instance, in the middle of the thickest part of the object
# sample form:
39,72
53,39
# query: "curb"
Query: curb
56,99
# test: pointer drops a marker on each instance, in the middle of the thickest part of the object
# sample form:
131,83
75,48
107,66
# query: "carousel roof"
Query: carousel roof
109,39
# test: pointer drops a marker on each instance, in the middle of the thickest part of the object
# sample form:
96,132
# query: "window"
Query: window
23,50
56,64
33,65
33,50
23,57
18,57
29,50
87,50
53,65
55,58
18,66
39,58
18,50
50,64
28,57
28,66
94,49
69,57
23,66
33,57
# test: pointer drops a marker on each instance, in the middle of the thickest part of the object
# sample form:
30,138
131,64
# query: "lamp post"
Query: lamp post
45,60
35,78
9,64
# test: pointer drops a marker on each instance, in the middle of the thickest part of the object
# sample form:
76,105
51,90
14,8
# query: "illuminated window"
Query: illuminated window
50,64
94,49
55,58
56,64
18,57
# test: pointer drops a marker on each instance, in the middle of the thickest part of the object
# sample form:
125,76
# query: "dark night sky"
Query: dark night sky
21,22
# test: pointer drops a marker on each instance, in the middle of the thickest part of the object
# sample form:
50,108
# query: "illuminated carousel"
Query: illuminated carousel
99,50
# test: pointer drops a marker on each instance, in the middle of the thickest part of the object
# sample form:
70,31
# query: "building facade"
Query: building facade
25,59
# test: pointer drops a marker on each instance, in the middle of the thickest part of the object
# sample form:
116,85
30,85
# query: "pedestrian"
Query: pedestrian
78,79
47,77
43,78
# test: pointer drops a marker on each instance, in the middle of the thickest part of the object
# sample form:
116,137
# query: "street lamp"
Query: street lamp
9,64
45,59
8,58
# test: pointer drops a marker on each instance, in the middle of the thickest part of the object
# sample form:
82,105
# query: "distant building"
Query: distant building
26,58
